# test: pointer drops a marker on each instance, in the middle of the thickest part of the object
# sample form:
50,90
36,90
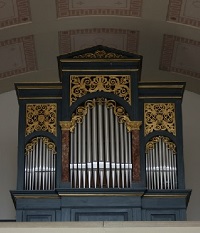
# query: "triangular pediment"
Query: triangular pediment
100,52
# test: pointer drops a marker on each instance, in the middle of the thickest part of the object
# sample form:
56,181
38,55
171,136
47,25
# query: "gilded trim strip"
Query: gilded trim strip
102,70
161,86
98,60
38,98
160,97
38,87
101,194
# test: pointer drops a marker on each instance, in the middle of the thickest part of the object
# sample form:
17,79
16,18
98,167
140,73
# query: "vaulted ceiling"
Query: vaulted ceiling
34,32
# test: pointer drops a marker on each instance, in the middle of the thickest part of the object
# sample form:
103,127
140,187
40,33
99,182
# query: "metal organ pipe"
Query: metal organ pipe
105,149
129,158
40,165
161,170
117,151
89,150
126,156
111,122
94,145
83,165
79,154
107,146
100,143
122,151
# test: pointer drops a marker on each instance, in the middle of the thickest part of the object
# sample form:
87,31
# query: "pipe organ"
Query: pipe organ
39,173
100,155
100,145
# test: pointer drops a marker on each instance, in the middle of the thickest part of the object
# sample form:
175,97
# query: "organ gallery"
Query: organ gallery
100,145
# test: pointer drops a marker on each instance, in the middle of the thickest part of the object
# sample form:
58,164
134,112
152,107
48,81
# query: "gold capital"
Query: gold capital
133,125
66,125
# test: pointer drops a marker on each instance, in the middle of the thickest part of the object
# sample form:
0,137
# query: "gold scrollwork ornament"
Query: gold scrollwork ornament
159,116
99,54
41,117
118,84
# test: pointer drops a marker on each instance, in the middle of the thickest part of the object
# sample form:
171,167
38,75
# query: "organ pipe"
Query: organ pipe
40,164
161,170
105,147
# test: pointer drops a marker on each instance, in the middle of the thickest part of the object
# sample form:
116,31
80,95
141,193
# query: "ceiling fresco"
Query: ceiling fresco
34,32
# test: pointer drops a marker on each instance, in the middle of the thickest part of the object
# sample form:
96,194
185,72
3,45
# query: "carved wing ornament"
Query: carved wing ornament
30,146
82,111
170,145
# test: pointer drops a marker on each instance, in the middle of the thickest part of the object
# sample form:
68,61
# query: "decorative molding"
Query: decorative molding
41,117
21,54
185,12
73,40
180,55
66,8
80,85
159,116
13,12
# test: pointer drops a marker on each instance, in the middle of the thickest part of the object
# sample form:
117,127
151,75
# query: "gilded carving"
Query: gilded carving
65,125
100,54
41,117
31,145
82,111
77,117
118,84
159,116
170,145
123,117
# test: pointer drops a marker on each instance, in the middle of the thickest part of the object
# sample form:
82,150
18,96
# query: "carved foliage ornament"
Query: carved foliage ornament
118,84
99,54
82,111
31,145
170,145
159,116
41,117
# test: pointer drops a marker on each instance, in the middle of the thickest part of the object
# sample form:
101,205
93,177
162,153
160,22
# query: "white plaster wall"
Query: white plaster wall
191,142
8,151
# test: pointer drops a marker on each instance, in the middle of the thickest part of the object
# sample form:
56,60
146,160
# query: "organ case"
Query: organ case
100,144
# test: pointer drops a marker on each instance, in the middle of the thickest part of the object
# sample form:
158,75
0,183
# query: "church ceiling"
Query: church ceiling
33,33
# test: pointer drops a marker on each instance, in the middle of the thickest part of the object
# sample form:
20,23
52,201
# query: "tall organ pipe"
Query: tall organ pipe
83,165
80,155
89,150
117,151
112,146
161,170
100,143
94,145
39,165
105,148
